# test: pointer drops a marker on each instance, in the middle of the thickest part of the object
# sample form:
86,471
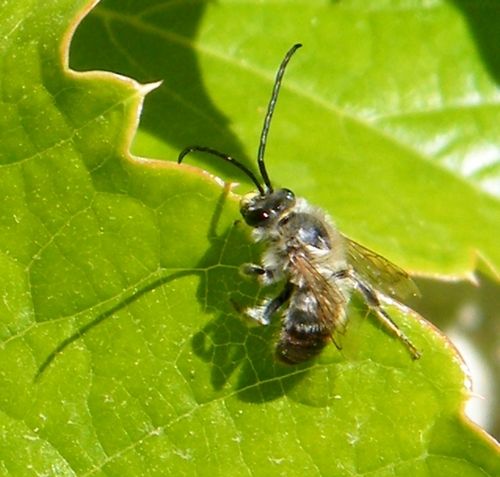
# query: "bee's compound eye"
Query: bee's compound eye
255,217
289,194
284,199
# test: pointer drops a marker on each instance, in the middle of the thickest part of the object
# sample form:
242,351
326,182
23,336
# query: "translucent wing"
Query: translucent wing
379,272
331,302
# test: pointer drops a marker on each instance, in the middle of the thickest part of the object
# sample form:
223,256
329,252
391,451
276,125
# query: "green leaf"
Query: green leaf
121,351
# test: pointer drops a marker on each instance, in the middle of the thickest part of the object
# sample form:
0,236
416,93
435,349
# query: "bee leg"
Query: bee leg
373,302
341,274
252,269
266,275
277,302
262,313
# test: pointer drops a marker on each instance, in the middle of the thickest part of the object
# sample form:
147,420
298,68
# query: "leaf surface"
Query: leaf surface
121,352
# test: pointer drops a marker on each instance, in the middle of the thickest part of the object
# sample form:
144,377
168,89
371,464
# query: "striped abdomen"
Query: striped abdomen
302,337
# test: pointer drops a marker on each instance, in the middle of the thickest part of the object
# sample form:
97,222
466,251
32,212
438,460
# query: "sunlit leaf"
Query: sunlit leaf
122,352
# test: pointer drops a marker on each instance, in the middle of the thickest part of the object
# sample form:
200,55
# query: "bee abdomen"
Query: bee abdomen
302,337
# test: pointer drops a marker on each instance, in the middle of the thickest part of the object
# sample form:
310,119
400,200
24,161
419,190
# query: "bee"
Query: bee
319,267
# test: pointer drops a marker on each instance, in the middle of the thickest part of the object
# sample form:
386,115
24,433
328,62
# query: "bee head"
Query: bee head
263,210
265,206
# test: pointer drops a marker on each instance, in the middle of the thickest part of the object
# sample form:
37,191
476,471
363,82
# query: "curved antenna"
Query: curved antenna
269,115
227,158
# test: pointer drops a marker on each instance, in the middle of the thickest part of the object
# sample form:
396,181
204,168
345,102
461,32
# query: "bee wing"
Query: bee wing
331,303
379,272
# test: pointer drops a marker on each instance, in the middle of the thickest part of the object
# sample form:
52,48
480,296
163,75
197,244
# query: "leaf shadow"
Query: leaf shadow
484,24
241,354
156,41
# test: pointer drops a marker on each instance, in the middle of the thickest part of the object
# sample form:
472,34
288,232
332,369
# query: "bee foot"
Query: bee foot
258,313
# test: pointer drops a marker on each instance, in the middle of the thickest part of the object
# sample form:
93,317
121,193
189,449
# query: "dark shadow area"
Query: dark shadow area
471,313
152,41
231,346
483,18
232,343
103,316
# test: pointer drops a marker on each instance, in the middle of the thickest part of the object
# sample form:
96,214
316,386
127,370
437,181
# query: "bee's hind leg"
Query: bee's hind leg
262,313
373,302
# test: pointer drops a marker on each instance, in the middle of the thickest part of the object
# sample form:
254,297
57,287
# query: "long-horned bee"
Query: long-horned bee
319,266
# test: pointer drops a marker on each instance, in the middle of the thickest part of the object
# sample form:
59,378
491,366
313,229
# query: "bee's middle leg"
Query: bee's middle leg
262,313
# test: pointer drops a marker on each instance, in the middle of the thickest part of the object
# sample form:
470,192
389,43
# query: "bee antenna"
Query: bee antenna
269,115
227,158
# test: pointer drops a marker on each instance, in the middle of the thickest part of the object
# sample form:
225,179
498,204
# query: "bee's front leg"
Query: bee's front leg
266,275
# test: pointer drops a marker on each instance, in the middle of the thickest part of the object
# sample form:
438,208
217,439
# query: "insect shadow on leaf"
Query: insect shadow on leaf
231,343
226,342
101,317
